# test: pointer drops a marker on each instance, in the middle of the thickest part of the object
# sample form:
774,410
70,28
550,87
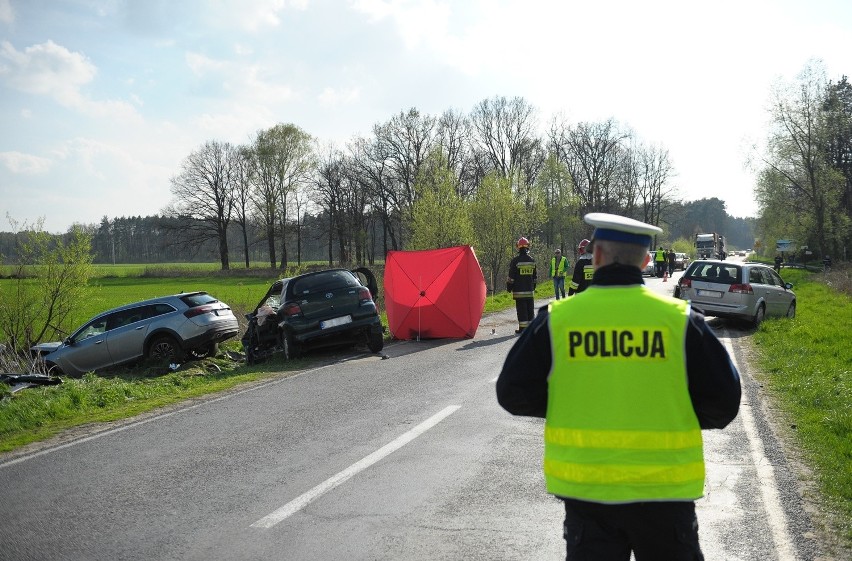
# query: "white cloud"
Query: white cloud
254,16
418,22
46,69
25,164
201,65
7,15
331,97
52,70
239,81
243,49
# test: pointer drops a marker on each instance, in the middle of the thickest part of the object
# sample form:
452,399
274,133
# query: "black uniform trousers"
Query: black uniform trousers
525,307
653,531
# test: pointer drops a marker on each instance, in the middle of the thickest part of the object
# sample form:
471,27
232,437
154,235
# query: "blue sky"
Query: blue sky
100,101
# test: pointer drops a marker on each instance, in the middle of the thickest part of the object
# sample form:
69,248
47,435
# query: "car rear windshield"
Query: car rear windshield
326,280
199,299
714,272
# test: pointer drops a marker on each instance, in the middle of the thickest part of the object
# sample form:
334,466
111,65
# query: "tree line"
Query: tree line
483,178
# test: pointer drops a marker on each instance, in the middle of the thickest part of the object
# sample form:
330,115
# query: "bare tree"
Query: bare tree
504,131
369,161
453,139
653,170
204,196
241,170
406,141
593,154
328,184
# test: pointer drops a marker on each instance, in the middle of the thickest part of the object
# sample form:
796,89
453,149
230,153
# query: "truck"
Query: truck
711,246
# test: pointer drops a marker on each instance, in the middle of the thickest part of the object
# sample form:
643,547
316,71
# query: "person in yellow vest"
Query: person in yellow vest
626,380
558,265
660,261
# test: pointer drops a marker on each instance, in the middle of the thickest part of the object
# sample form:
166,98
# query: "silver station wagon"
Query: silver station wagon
188,325
743,291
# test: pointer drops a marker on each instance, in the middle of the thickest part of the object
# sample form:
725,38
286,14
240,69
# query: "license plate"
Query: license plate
334,322
710,293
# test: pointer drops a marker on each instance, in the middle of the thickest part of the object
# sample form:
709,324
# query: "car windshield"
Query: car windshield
323,281
723,273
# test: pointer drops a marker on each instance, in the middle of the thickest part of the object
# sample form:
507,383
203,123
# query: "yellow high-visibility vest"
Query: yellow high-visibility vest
620,425
558,270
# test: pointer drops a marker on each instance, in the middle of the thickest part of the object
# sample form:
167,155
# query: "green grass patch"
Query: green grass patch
807,365
35,414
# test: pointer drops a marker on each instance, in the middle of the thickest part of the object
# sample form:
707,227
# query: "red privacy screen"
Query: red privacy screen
434,293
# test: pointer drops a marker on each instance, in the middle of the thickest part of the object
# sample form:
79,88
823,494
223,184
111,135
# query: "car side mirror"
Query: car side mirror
68,341
788,285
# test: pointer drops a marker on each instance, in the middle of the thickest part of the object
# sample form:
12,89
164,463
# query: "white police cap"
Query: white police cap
611,227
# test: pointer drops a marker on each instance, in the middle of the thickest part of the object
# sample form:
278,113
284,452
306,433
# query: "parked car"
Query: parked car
681,261
744,291
312,310
650,269
187,325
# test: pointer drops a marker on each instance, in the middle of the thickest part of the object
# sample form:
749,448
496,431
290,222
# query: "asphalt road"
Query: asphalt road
407,457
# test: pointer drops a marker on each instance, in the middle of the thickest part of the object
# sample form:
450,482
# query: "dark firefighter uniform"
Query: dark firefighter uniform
626,379
583,270
521,283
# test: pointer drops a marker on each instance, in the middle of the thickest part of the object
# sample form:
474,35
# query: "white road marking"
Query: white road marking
766,479
303,500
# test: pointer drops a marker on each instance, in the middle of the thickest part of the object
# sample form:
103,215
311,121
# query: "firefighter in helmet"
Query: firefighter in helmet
521,283
583,270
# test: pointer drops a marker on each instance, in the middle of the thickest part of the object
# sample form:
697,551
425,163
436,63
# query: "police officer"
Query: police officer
583,270
625,379
521,283
558,265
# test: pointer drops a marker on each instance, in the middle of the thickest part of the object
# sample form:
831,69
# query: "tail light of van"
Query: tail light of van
741,289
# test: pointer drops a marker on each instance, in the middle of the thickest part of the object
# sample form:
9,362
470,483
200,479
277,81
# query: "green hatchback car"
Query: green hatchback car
313,310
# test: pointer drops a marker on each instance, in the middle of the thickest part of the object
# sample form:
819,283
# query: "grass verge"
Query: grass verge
36,414
806,364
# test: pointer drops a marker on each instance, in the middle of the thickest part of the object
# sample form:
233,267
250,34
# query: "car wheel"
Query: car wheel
791,311
292,350
204,351
164,348
758,316
375,342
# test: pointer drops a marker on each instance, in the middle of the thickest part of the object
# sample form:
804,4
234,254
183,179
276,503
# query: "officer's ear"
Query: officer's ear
597,255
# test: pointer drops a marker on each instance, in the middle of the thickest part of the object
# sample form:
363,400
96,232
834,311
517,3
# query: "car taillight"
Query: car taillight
291,309
364,294
199,310
685,283
741,289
